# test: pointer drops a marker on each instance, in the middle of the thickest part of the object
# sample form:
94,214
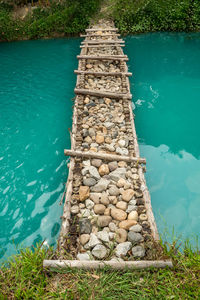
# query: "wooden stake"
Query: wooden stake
105,156
102,94
103,73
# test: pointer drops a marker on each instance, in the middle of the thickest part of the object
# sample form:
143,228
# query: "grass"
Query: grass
23,278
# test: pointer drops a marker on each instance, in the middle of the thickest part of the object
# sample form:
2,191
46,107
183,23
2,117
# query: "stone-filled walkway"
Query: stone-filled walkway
107,210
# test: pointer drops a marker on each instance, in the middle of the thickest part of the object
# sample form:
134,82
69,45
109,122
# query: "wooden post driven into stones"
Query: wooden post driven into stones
107,216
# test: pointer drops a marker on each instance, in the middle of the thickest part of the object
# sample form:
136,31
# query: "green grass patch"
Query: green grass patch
156,15
68,17
23,278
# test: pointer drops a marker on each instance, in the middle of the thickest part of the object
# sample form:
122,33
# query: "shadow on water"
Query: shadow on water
166,89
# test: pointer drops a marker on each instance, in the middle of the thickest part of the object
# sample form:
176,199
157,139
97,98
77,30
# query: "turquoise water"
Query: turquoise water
36,87
166,89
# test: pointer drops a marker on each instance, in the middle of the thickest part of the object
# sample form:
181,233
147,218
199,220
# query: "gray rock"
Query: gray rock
122,249
96,162
113,165
108,125
101,185
85,212
114,134
122,151
122,143
85,171
89,181
94,173
103,236
135,237
91,132
130,208
117,174
83,256
138,251
112,227
110,148
89,204
99,251
136,228
85,145
85,132
93,241
85,226
86,163
113,191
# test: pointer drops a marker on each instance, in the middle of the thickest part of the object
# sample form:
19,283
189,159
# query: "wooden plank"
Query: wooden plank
117,265
100,46
102,29
103,34
104,57
103,73
102,94
104,156
103,42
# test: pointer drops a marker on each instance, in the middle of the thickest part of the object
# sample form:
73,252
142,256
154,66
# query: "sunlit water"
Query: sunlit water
36,88
166,90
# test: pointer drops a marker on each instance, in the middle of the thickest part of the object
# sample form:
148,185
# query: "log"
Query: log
99,46
103,34
103,73
103,29
103,42
104,57
116,265
102,94
104,156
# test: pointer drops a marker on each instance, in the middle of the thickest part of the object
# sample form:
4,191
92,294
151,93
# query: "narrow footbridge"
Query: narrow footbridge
107,217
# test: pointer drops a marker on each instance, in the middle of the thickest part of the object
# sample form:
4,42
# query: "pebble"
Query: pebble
103,236
138,251
121,182
108,125
131,208
96,162
133,215
75,209
126,224
83,256
121,235
85,226
143,217
99,209
95,197
85,212
135,237
112,166
117,174
107,211
104,199
127,195
93,241
113,191
122,151
89,181
84,238
118,214
89,204
91,132
121,143
104,221
122,249
112,227
100,186
121,205
113,199
104,170
136,228
84,192
99,251
94,172
100,139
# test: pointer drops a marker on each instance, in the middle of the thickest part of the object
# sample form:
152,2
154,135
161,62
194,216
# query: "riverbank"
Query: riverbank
23,278
56,20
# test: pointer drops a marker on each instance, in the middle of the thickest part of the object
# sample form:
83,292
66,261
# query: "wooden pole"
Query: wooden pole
116,265
100,46
103,42
102,94
101,29
105,156
103,34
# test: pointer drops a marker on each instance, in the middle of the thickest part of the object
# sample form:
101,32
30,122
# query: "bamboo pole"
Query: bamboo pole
103,42
103,73
116,265
100,46
104,57
104,156
102,94
103,34
101,29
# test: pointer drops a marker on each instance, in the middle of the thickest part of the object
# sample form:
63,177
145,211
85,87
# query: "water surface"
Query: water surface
166,90
36,88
